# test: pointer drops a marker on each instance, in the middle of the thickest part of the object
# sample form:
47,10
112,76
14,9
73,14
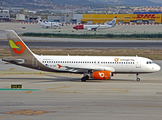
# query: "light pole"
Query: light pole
51,13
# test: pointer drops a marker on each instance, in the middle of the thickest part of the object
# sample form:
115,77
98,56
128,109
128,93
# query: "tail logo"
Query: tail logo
15,47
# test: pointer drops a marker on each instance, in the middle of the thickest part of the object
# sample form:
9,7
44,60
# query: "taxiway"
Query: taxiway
64,96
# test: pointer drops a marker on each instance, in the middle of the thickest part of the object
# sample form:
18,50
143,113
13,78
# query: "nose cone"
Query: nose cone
157,68
75,27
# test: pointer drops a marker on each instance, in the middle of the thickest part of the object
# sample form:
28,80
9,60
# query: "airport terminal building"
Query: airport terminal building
137,17
123,18
4,15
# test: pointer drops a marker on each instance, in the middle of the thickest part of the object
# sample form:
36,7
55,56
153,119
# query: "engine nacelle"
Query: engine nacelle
101,75
89,29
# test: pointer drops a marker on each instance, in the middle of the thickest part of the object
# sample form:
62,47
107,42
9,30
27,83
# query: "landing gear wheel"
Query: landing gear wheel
83,79
86,77
138,79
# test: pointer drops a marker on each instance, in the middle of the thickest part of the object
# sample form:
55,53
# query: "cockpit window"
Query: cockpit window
149,62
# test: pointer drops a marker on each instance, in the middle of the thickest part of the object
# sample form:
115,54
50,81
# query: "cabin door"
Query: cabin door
138,63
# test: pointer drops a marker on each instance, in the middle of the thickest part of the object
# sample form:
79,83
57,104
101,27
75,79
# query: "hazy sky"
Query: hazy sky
158,1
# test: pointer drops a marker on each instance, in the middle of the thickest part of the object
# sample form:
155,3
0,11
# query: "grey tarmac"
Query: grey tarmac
98,45
64,96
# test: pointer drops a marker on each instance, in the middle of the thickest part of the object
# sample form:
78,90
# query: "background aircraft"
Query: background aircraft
95,27
46,24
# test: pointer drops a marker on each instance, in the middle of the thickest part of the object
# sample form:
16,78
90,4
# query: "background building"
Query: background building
4,15
20,17
67,18
147,17
55,18
122,18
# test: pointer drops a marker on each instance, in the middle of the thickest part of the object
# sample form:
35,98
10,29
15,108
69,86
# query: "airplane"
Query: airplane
46,24
95,27
96,67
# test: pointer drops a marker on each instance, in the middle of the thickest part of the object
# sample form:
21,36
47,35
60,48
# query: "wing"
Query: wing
86,69
96,27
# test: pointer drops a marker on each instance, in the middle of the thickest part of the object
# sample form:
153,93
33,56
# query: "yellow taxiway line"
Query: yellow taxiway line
6,116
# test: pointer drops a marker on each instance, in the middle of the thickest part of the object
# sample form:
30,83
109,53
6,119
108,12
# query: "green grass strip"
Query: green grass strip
94,36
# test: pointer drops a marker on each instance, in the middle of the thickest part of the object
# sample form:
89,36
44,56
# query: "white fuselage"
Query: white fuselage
115,64
49,24
97,26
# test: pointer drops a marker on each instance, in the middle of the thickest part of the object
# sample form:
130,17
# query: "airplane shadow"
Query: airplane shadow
39,80
59,79
112,80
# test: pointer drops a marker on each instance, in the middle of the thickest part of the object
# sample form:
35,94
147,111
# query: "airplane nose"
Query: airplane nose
74,27
157,67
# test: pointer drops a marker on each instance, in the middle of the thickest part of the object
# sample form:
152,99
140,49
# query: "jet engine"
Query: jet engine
101,75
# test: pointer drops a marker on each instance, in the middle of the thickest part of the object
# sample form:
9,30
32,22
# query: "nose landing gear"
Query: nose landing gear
138,79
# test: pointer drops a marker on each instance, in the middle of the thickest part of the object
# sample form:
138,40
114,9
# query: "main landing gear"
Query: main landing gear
84,78
138,79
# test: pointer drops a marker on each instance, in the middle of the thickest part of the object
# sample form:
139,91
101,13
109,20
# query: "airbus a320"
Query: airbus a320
95,67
